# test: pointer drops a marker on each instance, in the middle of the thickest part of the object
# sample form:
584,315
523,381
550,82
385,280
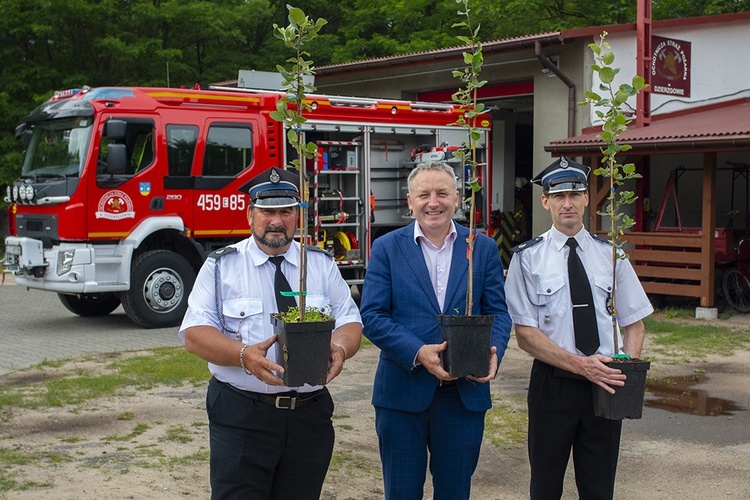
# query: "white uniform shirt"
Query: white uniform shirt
540,297
247,301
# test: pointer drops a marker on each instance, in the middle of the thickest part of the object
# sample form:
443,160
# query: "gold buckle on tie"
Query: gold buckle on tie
292,402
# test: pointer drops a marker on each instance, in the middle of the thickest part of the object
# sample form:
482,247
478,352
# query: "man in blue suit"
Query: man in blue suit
416,273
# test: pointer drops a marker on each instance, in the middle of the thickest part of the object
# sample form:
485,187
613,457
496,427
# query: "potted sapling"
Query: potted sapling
469,336
304,333
627,402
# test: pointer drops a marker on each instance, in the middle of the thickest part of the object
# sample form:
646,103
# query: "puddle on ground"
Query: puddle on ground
677,395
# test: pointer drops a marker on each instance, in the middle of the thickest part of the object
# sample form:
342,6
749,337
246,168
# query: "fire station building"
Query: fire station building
690,135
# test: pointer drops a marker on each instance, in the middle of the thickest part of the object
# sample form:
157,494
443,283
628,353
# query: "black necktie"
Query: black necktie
584,314
280,284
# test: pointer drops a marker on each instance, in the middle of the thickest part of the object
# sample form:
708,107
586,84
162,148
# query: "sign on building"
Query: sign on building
670,66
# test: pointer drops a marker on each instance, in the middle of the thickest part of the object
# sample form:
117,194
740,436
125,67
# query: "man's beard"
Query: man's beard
274,243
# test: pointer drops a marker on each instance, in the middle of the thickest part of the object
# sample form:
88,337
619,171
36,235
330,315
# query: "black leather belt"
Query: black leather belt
560,373
445,383
290,400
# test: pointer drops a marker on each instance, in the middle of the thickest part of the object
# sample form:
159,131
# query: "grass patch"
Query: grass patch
167,365
171,366
137,431
199,457
68,391
506,423
10,458
72,439
694,341
178,434
355,464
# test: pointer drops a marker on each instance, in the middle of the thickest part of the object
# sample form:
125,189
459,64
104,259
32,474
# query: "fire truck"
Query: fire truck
125,191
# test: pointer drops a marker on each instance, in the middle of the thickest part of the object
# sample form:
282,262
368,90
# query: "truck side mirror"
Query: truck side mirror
117,158
116,130
26,139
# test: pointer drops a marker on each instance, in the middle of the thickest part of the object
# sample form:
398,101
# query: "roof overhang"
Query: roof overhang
496,47
718,127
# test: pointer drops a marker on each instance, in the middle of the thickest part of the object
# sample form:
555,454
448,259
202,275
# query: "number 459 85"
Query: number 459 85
210,202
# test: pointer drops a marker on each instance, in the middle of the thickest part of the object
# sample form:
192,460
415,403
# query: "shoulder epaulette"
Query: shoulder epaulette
526,244
217,254
600,239
315,248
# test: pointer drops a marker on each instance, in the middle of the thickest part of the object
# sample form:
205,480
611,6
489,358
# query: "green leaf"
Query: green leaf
296,16
607,75
621,98
277,116
291,136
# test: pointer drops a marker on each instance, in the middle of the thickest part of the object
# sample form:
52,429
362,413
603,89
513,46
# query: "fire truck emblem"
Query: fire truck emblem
144,188
115,205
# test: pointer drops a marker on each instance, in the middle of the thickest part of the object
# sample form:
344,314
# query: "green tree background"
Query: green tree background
47,45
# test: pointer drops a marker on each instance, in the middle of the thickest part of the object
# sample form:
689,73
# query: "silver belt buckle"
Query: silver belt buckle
292,402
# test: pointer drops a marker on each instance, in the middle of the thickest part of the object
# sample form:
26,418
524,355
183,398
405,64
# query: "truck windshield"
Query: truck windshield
58,148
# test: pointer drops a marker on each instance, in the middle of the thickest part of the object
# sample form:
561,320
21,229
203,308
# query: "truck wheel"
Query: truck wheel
90,304
160,283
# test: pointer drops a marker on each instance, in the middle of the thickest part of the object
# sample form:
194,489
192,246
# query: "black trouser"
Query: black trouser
561,417
261,452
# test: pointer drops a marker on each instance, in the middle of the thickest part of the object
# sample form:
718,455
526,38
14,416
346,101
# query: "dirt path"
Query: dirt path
155,444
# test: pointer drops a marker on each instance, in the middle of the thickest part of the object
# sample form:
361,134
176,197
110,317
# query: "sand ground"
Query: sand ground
154,444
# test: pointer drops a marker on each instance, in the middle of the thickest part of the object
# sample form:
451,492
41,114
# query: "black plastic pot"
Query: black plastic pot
627,401
469,340
303,350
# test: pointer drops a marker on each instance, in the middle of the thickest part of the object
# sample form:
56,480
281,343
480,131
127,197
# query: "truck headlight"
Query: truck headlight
29,192
15,193
64,261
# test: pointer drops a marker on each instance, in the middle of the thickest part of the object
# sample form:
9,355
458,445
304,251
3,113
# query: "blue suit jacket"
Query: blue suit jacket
399,311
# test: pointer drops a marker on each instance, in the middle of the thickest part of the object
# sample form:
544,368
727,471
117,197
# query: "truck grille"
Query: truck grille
40,227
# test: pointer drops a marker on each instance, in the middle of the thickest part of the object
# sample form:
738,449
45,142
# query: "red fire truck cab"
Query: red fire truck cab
125,191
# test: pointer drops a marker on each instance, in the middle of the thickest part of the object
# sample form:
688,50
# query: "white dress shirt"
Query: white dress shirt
540,296
438,260
247,301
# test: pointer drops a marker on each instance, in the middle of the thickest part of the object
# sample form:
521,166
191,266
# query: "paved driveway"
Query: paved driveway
34,326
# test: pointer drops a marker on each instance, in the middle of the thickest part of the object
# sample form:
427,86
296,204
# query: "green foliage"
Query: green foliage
609,108
289,110
466,97
311,315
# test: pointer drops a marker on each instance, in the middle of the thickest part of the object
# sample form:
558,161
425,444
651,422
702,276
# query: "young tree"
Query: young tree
609,109
289,111
466,97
